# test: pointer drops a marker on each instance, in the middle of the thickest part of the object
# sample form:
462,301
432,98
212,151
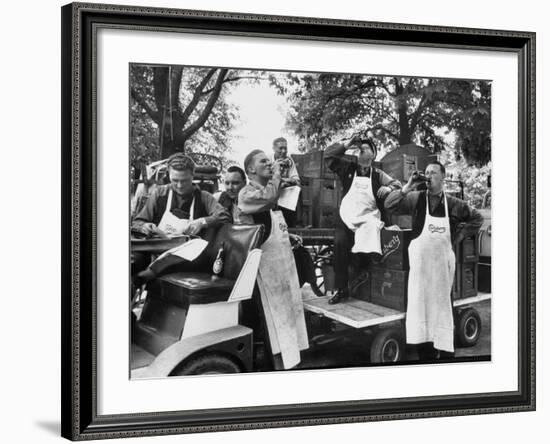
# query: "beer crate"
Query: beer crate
466,281
327,216
467,250
389,288
484,274
395,248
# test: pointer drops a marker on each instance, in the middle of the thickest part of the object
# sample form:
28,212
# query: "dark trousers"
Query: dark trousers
344,239
427,353
289,215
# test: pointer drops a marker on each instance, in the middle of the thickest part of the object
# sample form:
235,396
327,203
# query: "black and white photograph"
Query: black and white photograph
288,220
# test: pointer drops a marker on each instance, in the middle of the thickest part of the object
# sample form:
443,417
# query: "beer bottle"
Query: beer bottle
217,267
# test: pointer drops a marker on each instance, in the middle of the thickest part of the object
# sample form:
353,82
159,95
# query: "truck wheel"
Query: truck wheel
206,365
387,346
468,328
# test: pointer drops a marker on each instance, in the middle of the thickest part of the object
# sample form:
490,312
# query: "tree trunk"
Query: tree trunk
167,82
403,117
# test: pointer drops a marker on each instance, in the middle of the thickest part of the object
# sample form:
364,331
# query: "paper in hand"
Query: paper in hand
289,197
190,250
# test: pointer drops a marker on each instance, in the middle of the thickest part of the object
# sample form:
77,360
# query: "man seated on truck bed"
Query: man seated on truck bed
364,189
438,221
174,209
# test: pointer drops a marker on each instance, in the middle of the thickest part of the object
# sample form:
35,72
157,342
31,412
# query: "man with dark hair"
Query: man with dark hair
438,222
280,295
234,180
364,188
175,209
289,175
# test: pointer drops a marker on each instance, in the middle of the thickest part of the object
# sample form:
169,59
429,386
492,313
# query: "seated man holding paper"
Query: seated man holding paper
177,209
290,181
359,220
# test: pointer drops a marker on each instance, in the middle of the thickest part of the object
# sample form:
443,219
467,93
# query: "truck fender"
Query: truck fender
169,358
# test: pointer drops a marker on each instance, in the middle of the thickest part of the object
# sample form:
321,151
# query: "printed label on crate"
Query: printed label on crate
389,247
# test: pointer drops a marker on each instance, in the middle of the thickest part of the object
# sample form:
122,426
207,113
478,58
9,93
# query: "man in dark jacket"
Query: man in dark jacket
348,169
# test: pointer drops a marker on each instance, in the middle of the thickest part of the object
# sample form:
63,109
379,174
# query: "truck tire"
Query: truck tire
387,346
209,364
468,328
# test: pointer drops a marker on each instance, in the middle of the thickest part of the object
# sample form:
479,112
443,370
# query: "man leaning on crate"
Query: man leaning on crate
438,221
358,223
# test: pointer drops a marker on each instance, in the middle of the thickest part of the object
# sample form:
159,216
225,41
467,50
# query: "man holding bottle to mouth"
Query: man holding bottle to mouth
438,221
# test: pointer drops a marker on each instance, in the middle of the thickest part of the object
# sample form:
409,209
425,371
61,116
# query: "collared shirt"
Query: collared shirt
414,203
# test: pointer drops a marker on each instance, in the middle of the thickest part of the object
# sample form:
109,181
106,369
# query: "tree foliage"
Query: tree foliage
396,110
181,109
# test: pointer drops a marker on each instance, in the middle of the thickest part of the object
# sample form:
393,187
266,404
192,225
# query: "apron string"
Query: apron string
168,202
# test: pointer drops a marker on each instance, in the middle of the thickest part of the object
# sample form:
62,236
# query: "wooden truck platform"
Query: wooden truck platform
360,314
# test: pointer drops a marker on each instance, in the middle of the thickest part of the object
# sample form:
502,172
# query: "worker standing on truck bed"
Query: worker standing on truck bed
280,294
358,222
438,221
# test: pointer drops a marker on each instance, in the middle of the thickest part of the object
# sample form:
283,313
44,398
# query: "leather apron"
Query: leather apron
281,295
359,212
172,225
432,266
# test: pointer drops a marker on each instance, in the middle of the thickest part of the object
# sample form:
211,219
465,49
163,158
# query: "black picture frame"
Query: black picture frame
79,205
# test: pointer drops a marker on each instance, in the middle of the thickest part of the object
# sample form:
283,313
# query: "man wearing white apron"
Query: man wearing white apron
280,294
438,222
359,220
176,209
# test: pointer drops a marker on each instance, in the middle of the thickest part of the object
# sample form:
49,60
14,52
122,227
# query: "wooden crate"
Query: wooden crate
395,248
466,281
484,275
389,288
304,215
329,192
327,216
467,250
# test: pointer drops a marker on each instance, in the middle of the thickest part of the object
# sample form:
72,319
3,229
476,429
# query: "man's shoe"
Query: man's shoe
341,295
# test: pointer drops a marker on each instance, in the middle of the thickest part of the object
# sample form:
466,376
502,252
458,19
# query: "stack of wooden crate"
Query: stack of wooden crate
321,191
466,273
389,278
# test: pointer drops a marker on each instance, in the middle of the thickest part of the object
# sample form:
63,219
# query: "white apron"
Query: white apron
281,295
432,266
359,212
172,225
